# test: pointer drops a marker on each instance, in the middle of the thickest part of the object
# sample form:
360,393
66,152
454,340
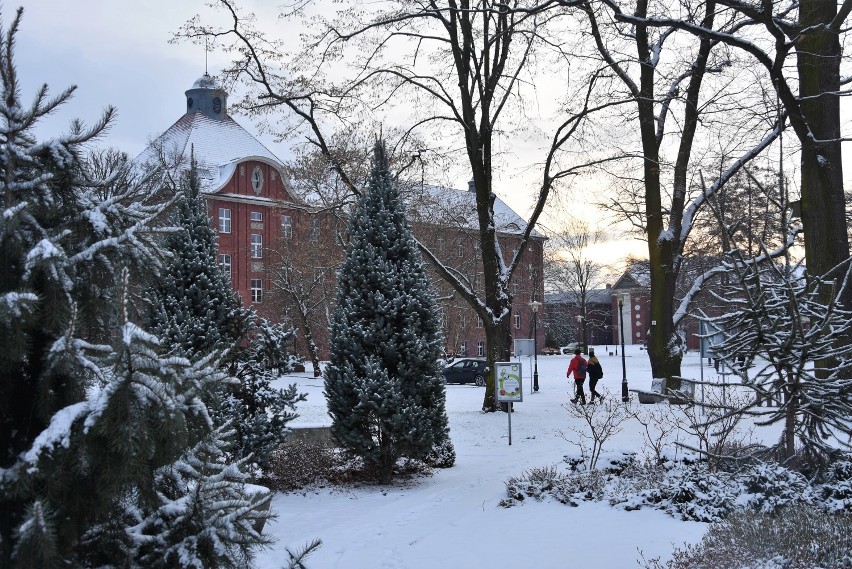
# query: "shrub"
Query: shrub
297,464
836,493
793,537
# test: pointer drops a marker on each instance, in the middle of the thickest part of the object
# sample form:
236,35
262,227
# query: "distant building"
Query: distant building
445,220
564,319
631,304
249,201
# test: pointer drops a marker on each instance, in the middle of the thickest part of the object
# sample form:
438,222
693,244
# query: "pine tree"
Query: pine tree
194,307
383,386
91,410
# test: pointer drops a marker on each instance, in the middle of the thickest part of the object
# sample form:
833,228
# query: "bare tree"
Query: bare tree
679,96
458,67
809,96
574,271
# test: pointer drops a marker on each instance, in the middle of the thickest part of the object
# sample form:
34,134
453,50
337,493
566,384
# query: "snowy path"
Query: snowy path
453,519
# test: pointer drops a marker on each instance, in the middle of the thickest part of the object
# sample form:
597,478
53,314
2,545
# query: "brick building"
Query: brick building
261,224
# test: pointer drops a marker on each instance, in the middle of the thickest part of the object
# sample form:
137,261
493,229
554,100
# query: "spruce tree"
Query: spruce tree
196,312
194,308
385,393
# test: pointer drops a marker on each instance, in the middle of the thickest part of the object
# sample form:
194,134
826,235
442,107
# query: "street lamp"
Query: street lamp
624,396
535,306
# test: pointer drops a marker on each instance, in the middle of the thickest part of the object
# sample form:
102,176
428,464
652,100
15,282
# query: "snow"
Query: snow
453,519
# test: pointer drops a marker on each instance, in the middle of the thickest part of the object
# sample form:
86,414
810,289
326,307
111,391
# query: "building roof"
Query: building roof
593,296
218,146
449,206
638,275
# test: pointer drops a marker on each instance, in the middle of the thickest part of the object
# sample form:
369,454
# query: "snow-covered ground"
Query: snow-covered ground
452,519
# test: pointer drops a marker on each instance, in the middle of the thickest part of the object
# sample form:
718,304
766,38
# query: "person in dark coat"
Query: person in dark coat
578,367
595,372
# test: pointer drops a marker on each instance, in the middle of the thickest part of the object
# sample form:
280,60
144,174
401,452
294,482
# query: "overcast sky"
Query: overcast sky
117,53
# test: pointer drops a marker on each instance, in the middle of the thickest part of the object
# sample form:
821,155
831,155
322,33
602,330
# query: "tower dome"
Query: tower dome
205,96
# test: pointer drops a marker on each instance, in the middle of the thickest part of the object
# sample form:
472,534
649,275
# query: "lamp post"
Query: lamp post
535,306
624,395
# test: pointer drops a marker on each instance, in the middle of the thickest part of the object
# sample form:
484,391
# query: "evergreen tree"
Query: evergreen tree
194,307
90,411
385,393
259,412
196,312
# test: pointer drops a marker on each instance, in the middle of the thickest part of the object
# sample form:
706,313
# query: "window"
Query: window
515,289
480,348
459,248
315,230
479,322
517,321
225,264
257,290
257,180
257,216
286,227
256,246
224,220
463,349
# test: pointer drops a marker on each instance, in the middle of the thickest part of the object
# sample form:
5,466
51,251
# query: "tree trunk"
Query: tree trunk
823,202
790,411
497,340
665,361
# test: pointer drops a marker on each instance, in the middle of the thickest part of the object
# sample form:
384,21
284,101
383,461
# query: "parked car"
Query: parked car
466,370
550,351
569,349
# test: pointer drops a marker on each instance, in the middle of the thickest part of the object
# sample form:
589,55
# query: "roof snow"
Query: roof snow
218,145
458,207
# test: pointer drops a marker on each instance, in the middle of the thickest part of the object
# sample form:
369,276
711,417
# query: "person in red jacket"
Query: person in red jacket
578,366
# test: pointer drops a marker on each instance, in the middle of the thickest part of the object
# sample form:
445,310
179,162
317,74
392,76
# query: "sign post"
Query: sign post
525,347
508,386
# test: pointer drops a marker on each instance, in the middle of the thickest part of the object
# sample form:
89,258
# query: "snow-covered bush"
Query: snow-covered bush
685,489
765,487
793,537
297,464
836,492
539,484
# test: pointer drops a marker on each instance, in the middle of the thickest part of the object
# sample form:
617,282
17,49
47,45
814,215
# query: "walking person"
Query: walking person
595,372
578,366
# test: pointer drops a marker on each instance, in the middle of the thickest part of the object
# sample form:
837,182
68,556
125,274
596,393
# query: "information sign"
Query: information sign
508,382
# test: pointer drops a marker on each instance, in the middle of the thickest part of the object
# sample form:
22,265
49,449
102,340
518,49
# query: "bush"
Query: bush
793,537
766,487
297,464
836,493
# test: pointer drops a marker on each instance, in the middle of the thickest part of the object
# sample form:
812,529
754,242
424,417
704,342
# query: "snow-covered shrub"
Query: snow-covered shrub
538,484
692,493
765,487
297,464
794,537
442,455
836,492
